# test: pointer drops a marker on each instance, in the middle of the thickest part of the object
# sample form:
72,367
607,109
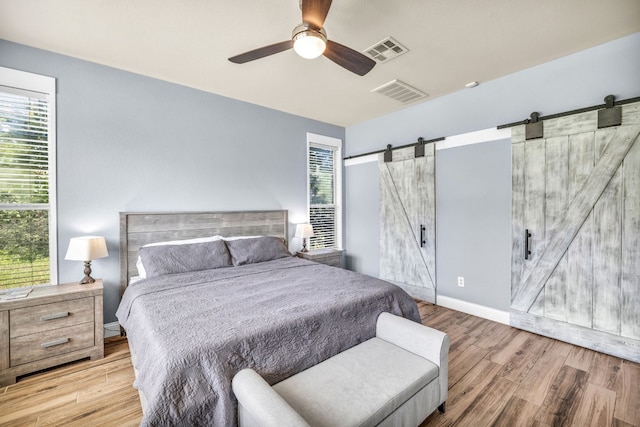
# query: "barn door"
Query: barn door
576,232
407,221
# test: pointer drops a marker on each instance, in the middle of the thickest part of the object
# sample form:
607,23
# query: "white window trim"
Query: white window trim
336,144
46,86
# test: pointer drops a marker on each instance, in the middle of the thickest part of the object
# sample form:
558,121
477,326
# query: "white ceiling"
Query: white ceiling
450,42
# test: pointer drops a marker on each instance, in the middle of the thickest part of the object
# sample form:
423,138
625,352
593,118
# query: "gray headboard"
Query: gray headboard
140,228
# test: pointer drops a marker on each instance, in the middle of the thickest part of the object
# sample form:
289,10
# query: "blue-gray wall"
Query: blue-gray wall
572,82
128,142
473,223
132,143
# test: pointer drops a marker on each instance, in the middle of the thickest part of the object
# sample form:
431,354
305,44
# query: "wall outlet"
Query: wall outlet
461,281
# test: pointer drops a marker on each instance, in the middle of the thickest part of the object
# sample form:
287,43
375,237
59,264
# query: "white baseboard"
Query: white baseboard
474,309
111,329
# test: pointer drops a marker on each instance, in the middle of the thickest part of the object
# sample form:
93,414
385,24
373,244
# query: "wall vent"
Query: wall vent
385,50
400,91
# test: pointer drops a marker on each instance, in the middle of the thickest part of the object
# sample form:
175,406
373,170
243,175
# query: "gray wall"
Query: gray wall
473,222
128,142
132,143
361,202
568,83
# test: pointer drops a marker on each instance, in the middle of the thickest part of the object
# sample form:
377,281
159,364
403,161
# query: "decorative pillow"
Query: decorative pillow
140,266
168,259
259,249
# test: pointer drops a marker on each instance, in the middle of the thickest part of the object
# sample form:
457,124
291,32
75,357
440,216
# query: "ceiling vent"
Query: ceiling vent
400,91
385,50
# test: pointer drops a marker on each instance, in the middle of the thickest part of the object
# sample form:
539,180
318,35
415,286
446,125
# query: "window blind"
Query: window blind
24,188
322,196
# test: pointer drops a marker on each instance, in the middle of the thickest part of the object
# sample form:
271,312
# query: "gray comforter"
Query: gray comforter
192,332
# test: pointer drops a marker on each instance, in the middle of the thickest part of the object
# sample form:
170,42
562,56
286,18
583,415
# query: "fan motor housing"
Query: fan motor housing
305,28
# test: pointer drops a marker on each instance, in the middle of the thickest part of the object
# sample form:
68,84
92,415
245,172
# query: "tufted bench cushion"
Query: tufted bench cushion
362,385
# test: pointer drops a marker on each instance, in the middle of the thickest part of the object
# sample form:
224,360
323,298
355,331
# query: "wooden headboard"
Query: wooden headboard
140,228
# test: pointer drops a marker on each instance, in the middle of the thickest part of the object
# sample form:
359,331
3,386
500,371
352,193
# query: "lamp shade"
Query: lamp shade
304,230
86,248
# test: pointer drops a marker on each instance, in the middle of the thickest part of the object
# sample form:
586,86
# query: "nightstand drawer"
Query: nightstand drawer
331,257
46,317
38,346
333,261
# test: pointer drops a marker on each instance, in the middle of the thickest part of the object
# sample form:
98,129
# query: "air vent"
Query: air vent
385,50
400,91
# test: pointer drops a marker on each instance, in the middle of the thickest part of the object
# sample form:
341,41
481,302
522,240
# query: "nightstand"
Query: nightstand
51,326
332,257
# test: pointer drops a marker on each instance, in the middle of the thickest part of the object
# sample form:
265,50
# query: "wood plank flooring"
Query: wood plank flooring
498,376
502,376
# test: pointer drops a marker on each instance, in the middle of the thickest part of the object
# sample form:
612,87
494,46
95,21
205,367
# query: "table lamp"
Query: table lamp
86,249
303,231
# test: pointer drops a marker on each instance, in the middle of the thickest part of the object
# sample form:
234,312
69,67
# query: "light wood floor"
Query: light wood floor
498,376
502,376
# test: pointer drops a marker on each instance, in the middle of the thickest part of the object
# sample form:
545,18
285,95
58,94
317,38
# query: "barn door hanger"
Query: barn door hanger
388,154
610,115
533,128
419,150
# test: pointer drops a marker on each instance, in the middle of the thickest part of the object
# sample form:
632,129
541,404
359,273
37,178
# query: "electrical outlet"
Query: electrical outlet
461,281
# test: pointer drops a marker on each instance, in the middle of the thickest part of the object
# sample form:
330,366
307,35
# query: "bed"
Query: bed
190,330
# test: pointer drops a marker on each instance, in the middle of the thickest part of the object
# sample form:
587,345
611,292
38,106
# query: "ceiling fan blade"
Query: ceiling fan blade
348,58
315,12
261,52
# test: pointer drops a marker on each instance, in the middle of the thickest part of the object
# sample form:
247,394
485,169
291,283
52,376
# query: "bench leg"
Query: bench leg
441,408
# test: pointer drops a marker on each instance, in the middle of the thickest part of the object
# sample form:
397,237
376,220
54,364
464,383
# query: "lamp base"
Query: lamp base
87,279
304,245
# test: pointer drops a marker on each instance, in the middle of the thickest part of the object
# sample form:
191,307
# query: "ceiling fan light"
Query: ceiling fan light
309,44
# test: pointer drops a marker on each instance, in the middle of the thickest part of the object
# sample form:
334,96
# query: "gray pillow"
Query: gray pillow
168,259
258,249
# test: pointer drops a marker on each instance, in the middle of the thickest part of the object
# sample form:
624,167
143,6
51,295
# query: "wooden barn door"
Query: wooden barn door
407,221
576,232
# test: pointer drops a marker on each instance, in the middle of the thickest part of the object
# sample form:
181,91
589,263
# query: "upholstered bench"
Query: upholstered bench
397,378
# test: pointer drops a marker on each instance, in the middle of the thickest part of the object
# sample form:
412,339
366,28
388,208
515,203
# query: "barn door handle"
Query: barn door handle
527,250
422,230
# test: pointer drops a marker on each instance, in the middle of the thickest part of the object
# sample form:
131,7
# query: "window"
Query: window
27,179
325,191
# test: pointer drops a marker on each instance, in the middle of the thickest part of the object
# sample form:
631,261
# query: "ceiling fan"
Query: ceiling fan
309,40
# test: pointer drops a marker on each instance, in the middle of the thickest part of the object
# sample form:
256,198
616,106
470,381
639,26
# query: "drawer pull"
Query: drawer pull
54,316
54,343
